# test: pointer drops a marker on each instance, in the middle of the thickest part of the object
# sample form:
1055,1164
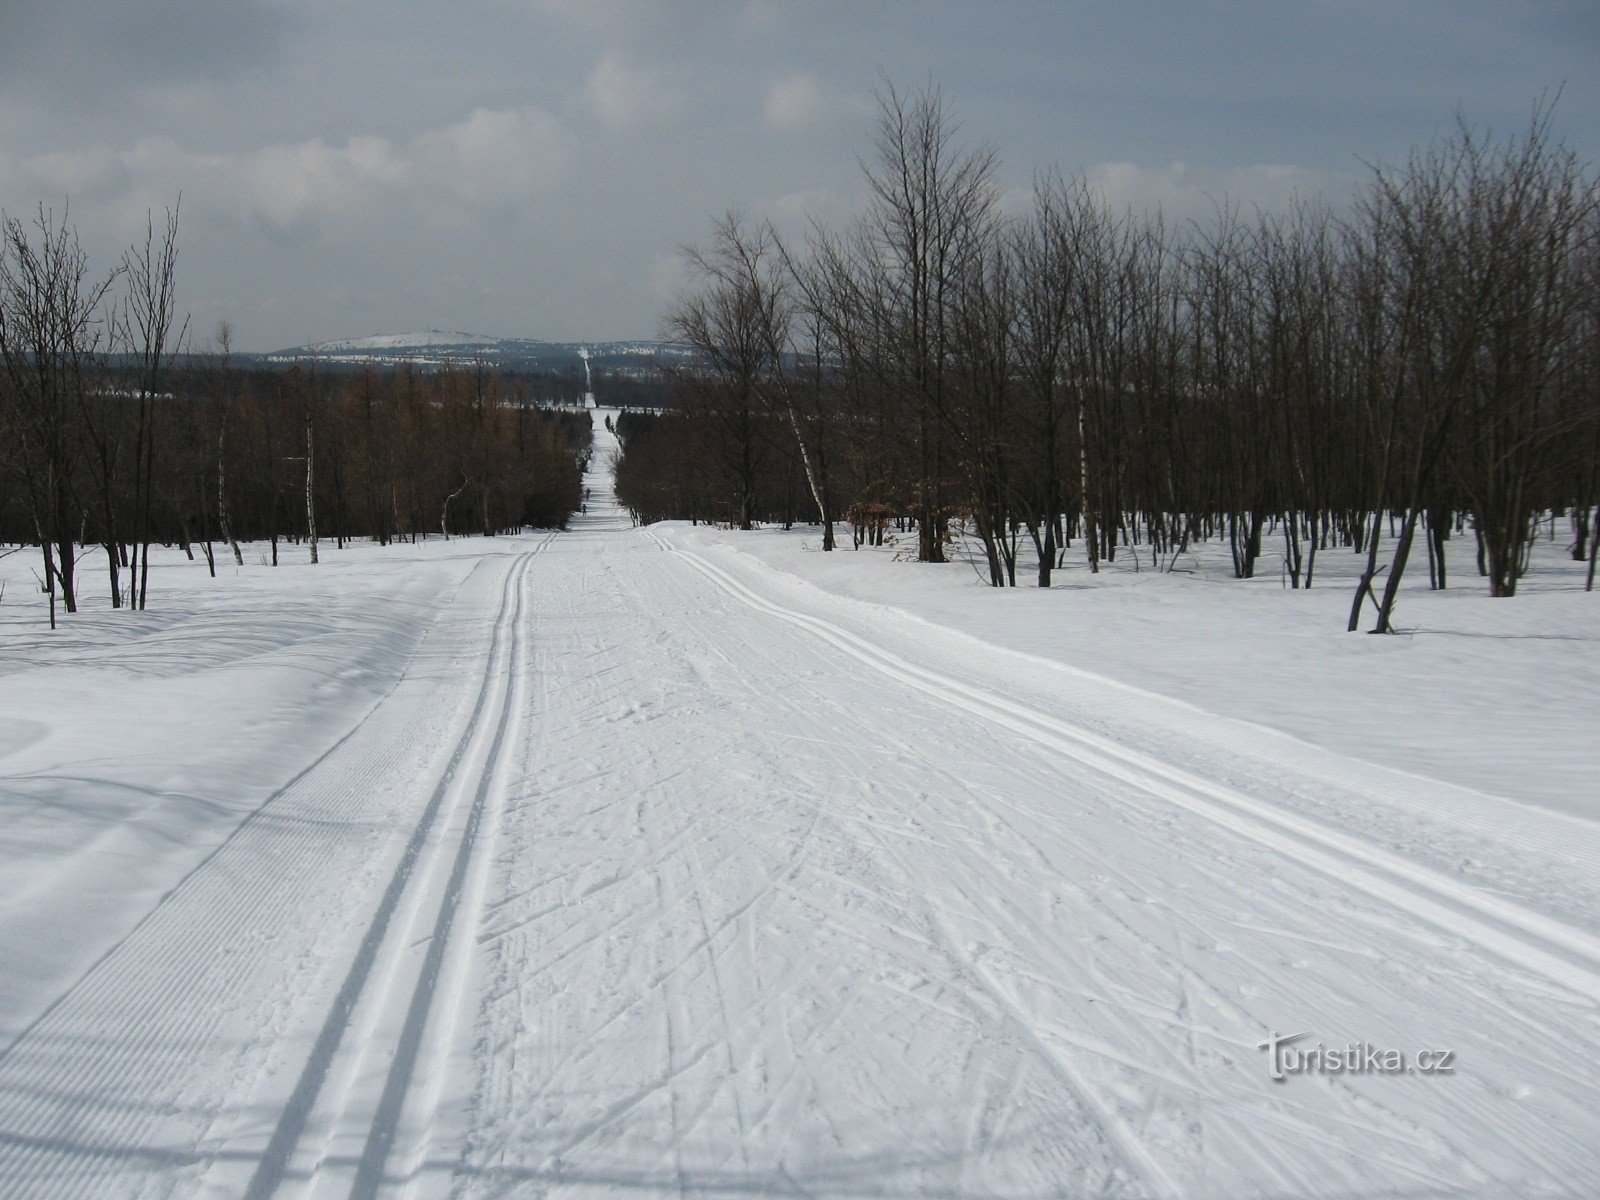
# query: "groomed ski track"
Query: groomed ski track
646,879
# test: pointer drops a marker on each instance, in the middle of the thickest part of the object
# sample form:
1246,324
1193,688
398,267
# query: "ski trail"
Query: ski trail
189,1008
1132,1149
646,1022
261,812
397,1025
423,1048
769,922
640,882
1561,954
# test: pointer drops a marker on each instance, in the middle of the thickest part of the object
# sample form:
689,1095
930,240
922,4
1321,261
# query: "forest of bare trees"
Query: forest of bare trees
1420,366
113,437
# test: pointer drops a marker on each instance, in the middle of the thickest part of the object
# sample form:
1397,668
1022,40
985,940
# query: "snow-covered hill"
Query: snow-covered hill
389,342
435,347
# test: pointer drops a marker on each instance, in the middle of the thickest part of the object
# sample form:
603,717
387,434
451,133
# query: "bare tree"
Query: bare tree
1288,379
225,403
145,322
51,331
932,202
736,325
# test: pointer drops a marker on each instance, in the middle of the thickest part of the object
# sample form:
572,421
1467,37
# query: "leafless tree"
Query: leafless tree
146,323
52,330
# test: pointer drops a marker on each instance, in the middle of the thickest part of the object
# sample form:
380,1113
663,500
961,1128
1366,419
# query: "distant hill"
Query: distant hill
435,347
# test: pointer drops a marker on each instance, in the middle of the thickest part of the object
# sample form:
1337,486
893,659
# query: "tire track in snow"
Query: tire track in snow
1536,943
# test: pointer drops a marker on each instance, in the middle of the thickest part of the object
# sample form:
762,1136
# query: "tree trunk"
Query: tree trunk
1391,586
311,493
222,503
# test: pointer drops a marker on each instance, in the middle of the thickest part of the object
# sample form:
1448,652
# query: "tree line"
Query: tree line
1422,363
113,439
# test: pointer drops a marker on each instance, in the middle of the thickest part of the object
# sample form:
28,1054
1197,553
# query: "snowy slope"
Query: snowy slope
135,744
436,346
648,870
433,339
1493,695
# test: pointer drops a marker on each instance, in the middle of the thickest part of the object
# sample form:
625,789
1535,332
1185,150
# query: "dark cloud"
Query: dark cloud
139,44
1574,19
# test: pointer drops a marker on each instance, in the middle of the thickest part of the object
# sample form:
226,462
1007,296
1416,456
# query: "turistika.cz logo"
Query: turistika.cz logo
1288,1058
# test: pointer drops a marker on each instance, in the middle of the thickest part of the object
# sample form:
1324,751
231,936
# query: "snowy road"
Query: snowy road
644,879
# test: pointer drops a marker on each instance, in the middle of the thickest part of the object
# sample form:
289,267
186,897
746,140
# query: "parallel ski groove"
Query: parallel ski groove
287,1134
1557,952
67,1119
436,972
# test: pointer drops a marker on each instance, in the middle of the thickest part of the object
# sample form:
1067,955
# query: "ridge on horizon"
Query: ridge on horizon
415,344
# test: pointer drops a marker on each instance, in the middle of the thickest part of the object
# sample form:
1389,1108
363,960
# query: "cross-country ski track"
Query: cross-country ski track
651,872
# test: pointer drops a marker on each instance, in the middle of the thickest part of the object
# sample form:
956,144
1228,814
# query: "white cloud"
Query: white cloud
1015,201
287,184
794,212
493,159
627,98
83,172
488,162
1184,192
794,102
799,100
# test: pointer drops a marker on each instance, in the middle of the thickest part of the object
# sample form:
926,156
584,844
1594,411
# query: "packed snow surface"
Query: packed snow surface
1491,694
668,861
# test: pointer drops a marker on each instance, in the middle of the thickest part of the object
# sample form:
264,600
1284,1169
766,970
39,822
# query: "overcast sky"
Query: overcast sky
530,167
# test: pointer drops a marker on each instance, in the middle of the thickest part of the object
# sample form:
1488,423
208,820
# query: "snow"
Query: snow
406,341
1491,694
134,743
676,861
438,346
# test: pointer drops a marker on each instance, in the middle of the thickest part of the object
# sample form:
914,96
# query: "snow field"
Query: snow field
684,862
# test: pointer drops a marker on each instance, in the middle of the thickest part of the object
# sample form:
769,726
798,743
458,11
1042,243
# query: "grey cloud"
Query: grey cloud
532,166
139,43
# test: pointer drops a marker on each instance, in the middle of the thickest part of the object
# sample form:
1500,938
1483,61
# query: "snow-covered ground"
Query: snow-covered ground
672,861
134,744
1498,695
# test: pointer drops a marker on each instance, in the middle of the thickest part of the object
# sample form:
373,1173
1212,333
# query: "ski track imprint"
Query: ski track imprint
684,890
